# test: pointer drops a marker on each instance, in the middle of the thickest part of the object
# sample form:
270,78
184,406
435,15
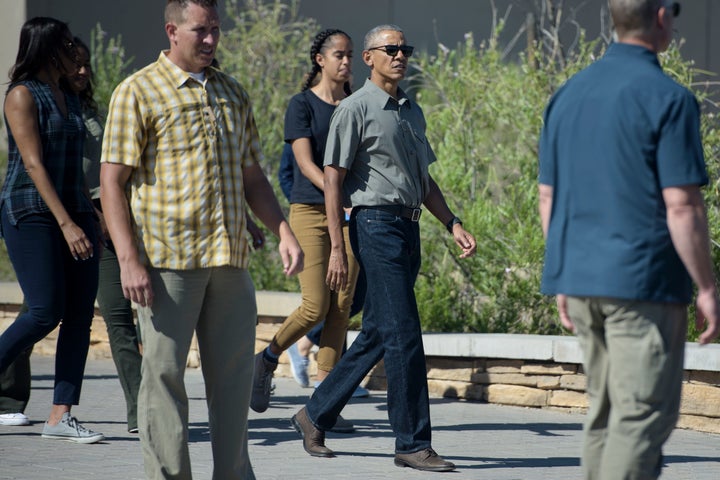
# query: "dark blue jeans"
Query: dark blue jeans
388,249
56,287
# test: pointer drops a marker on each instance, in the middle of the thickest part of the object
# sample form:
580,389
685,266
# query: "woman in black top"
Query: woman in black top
306,126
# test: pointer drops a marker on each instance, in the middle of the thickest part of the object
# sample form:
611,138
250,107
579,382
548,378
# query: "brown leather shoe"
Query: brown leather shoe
313,439
426,460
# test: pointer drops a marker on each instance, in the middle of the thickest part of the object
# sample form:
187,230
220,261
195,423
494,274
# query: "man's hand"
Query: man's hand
464,240
706,315
562,310
292,255
258,236
136,283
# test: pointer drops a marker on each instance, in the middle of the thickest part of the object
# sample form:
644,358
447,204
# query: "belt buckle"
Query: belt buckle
416,214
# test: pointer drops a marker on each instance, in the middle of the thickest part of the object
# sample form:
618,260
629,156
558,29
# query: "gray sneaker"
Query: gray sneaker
262,383
69,429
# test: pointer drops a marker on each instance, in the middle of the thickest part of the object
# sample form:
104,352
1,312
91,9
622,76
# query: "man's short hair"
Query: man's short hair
175,9
372,35
634,17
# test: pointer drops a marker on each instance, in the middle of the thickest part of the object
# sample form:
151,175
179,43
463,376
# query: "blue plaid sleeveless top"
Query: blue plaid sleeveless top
62,140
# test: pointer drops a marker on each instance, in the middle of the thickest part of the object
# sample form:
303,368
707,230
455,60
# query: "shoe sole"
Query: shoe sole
299,430
258,409
350,429
15,424
403,463
298,380
83,440
342,430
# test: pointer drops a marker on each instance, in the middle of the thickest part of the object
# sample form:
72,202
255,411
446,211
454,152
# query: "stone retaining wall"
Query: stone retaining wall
533,383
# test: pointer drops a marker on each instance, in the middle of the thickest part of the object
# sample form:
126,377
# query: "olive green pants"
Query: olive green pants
219,305
633,359
309,223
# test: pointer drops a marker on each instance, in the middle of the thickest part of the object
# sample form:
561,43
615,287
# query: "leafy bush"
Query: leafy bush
485,136
109,64
484,116
266,47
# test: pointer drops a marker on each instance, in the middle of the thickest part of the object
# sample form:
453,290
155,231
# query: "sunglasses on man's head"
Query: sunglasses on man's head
393,50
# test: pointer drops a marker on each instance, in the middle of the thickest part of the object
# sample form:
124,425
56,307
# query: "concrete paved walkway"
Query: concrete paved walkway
485,441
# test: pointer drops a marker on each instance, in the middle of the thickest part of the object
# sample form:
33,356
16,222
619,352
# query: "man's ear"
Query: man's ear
661,17
170,29
367,58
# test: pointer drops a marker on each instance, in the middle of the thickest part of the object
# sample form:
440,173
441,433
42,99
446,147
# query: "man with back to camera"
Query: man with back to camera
376,161
621,165
181,136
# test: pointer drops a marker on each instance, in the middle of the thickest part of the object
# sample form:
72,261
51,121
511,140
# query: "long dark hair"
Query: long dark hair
317,47
87,99
42,43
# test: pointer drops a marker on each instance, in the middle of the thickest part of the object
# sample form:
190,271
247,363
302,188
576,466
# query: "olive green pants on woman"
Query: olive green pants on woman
309,223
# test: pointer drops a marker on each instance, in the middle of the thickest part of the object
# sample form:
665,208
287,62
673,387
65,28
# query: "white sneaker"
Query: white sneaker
14,419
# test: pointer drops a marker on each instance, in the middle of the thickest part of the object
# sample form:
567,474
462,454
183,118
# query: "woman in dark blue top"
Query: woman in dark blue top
47,218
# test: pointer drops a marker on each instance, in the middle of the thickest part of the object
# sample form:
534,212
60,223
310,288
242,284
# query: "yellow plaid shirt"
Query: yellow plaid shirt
187,144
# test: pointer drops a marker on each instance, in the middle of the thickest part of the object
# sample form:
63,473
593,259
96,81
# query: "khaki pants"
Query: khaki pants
633,359
309,223
219,304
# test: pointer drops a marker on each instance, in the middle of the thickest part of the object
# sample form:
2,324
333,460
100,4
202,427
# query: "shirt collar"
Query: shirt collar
638,52
383,97
179,76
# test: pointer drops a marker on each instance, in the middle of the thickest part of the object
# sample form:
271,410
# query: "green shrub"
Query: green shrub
484,133
484,116
266,47
109,64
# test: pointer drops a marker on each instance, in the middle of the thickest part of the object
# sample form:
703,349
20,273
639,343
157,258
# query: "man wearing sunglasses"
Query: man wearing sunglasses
376,162
621,165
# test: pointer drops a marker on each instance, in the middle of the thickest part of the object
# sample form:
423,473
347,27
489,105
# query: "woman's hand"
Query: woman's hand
79,244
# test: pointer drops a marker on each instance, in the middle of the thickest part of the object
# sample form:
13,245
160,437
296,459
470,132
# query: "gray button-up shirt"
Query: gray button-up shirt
381,142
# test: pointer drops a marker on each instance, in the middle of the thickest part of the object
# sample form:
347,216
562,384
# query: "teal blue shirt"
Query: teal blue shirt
614,136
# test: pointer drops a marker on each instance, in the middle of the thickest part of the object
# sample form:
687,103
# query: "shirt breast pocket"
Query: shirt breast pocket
181,127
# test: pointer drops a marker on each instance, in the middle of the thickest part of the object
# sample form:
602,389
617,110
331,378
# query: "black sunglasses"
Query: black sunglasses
393,50
674,8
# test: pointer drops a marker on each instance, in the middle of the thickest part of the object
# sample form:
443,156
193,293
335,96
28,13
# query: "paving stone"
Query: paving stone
486,441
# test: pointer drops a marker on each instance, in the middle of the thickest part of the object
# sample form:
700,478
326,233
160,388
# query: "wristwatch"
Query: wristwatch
453,221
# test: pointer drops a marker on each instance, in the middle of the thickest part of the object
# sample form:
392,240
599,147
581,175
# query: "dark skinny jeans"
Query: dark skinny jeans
56,287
